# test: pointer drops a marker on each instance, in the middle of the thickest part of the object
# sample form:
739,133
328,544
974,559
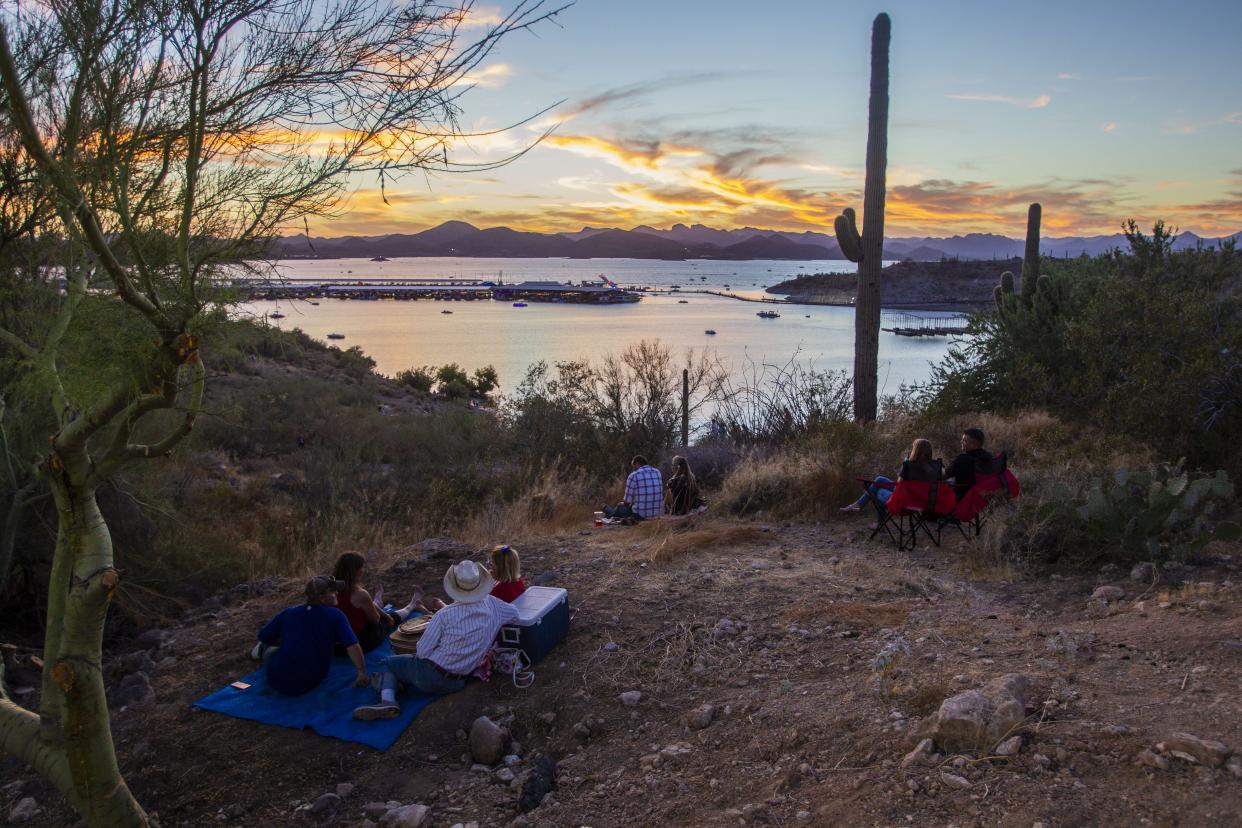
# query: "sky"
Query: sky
734,115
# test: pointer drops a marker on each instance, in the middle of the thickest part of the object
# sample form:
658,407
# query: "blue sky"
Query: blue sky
695,111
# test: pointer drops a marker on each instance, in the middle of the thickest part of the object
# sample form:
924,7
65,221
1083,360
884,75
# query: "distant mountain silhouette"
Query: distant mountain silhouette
457,238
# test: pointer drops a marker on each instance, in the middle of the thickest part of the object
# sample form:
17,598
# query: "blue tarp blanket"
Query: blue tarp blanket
328,709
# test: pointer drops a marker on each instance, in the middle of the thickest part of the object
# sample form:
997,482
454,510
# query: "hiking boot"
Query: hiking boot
374,712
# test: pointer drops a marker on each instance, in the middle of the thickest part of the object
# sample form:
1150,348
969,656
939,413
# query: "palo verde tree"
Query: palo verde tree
167,141
868,249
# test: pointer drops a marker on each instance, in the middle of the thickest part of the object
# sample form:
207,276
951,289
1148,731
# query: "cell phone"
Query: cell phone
240,685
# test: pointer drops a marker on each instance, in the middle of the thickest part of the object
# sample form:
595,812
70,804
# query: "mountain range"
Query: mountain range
457,238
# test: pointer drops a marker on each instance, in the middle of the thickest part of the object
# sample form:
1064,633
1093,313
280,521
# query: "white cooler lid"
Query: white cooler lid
536,601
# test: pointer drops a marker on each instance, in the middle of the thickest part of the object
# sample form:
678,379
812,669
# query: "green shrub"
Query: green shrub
485,381
1146,344
420,379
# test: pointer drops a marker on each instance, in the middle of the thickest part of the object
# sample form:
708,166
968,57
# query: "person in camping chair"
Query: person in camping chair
961,472
297,644
457,639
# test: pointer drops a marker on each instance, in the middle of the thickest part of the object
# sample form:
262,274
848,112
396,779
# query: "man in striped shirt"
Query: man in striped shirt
456,641
644,492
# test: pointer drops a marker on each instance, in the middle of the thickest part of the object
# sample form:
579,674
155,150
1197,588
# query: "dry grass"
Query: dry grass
555,505
676,544
862,613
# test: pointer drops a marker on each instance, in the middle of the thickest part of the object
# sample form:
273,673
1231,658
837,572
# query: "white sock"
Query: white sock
388,696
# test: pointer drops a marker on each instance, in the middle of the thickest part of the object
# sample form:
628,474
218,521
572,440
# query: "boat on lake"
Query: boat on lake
709,332
682,302
378,259
768,315
519,304
446,311
336,336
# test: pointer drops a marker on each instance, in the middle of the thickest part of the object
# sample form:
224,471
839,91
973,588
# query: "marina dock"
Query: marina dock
452,290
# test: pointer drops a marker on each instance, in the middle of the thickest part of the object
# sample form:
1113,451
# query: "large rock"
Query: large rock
961,724
24,811
1204,751
406,816
978,719
488,741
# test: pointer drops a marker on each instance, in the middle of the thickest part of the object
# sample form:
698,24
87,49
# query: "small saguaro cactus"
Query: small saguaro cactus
1030,257
867,248
1008,302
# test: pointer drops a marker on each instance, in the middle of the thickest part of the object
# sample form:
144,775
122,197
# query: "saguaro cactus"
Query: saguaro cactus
868,249
1030,257
1007,301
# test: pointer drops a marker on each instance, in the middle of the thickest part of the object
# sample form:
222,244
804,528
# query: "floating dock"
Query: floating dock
906,324
452,290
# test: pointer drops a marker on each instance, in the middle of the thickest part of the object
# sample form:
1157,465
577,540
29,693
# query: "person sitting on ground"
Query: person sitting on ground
457,639
644,492
507,570
961,472
297,644
920,452
367,618
683,490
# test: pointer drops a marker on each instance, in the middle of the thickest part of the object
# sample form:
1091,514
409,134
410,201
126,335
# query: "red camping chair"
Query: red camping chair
993,480
884,522
919,500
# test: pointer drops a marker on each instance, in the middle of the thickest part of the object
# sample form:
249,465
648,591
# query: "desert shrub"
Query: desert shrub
420,379
595,417
1149,513
776,403
1146,343
812,477
353,361
484,381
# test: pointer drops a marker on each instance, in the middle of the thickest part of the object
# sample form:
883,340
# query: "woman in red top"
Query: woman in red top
370,623
507,570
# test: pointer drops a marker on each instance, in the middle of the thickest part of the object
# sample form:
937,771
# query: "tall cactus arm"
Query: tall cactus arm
1030,258
846,226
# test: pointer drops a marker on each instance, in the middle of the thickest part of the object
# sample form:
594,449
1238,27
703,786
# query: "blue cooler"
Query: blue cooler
543,620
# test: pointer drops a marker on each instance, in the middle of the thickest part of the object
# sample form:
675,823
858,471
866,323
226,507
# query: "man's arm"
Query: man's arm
431,636
270,634
631,489
360,664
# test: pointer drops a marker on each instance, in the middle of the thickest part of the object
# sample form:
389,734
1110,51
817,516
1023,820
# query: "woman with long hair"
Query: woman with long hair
683,490
920,452
367,618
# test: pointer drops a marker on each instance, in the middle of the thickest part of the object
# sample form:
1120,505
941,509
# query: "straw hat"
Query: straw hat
467,582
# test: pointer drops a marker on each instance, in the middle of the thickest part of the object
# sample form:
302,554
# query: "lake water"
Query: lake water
400,335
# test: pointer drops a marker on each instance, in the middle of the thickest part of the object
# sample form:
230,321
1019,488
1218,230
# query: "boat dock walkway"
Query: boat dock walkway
453,290
906,324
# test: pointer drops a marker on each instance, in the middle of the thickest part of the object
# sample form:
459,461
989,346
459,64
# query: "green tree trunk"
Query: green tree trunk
70,741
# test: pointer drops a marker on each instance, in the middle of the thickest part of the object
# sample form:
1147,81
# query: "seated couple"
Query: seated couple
646,496
960,473
298,644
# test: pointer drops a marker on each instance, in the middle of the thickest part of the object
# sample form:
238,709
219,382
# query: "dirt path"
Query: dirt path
778,630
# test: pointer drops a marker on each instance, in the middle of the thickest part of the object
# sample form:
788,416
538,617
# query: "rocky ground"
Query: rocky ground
945,285
721,673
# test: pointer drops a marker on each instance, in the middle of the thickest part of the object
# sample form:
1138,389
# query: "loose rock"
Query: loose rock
1108,594
1152,760
631,698
25,810
325,805
406,816
487,741
952,780
1010,746
1204,751
701,717
924,749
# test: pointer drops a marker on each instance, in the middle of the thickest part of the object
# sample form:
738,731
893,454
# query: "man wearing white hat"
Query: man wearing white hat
456,641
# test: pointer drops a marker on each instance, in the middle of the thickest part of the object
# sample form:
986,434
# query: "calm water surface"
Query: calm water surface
399,335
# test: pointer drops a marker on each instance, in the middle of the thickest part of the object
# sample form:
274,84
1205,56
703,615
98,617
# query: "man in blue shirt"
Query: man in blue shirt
644,492
297,644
